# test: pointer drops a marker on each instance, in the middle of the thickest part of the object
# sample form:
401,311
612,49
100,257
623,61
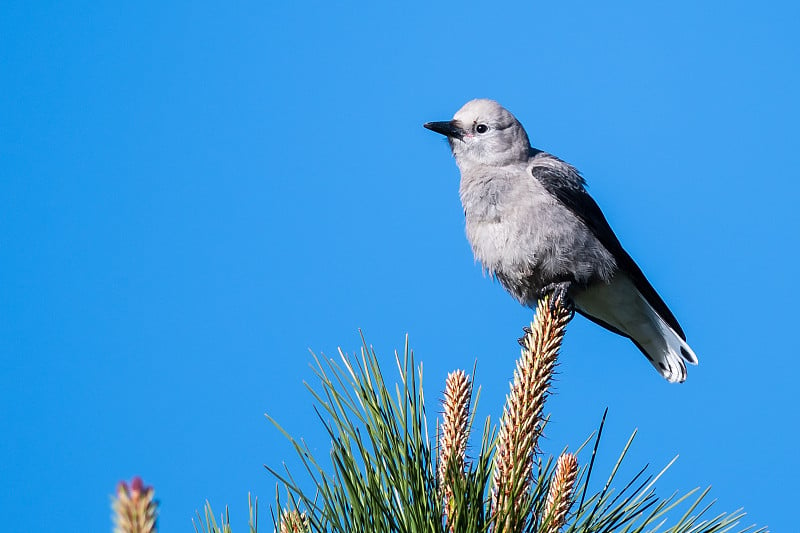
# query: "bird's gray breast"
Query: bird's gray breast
522,235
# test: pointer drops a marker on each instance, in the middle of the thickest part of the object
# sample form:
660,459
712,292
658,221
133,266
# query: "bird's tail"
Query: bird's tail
665,349
621,308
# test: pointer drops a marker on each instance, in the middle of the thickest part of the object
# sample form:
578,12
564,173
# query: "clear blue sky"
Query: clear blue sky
194,195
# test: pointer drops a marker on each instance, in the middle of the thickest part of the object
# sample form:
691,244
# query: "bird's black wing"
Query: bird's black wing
565,183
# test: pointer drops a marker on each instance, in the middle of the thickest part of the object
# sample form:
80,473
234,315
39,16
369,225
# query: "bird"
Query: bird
533,227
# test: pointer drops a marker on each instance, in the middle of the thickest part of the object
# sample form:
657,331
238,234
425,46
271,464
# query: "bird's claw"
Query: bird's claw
559,296
521,340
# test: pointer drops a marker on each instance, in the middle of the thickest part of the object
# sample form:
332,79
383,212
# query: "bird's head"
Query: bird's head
484,132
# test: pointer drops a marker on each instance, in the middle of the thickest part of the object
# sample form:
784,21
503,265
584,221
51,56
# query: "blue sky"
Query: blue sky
195,195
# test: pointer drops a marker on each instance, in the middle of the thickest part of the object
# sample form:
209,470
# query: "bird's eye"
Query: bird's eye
481,128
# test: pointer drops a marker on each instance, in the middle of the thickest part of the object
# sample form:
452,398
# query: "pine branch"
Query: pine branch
135,509
559,497
293,522
453,435
522,420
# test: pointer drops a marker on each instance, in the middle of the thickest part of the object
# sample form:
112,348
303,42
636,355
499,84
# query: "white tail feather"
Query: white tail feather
620,305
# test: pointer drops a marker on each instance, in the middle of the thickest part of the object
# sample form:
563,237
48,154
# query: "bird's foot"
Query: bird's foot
521,340
559,296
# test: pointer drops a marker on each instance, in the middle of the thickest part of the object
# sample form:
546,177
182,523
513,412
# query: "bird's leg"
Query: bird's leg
559,295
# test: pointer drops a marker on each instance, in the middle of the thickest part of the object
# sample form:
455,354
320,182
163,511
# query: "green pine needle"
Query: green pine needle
383,476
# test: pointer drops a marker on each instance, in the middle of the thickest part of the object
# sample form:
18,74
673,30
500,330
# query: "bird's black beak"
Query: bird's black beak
448,129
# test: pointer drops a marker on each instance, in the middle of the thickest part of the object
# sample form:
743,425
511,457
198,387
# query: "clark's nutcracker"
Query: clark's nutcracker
533,226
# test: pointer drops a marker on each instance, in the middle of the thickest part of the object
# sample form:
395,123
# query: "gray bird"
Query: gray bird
533,226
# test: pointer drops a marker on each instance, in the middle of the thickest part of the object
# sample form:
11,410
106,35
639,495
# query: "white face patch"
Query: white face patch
492,136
